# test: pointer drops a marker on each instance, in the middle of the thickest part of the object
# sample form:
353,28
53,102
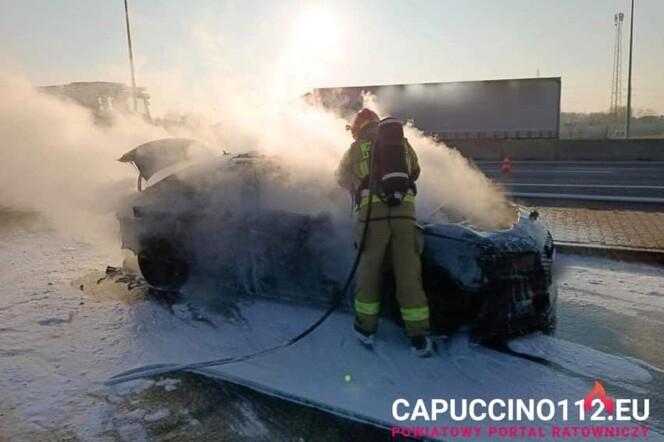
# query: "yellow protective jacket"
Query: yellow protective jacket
354,165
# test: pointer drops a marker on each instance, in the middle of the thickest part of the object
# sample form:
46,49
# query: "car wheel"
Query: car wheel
163,265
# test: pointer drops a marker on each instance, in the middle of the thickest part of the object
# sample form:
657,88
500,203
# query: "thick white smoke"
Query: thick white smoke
55,160
58,161
451,187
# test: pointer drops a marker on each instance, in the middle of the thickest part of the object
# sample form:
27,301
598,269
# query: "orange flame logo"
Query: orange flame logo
598,392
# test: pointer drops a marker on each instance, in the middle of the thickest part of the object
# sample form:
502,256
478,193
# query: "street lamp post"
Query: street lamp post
628,109
131,57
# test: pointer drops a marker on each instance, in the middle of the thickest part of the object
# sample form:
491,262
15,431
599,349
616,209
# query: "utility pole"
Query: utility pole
628,110
131,57
616,80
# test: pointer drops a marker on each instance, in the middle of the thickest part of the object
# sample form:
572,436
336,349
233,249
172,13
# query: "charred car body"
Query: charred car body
210,218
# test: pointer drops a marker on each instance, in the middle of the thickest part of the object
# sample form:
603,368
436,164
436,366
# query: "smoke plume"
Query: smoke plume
57,161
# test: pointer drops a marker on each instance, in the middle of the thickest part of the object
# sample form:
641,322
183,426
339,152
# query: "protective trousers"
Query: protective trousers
392,230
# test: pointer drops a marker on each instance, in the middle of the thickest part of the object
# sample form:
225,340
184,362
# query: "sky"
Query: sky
293,46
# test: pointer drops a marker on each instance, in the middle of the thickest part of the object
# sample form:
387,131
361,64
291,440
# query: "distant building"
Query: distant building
492,109
105,99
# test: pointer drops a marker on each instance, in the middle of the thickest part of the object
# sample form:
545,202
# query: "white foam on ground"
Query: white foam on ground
51,372
594,363
313,370
157,415
625,288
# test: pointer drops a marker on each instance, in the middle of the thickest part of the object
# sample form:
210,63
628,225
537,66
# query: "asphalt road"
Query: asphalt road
619,182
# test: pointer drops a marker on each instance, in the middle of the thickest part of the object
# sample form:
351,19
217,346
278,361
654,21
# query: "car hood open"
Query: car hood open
151,157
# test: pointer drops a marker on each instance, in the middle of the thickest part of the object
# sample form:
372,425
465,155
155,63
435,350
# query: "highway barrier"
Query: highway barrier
561,150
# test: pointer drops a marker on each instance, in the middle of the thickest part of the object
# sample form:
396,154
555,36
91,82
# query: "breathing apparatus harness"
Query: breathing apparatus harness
160,369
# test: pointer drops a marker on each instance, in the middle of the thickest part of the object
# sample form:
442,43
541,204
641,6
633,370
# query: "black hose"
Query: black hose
160,369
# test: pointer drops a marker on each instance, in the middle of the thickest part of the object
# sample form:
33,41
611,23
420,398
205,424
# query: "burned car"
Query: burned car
215,218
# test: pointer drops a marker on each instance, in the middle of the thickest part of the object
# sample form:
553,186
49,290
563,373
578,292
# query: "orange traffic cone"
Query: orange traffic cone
507,166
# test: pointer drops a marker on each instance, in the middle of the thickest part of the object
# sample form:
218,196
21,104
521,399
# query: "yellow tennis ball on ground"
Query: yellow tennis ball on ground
347,377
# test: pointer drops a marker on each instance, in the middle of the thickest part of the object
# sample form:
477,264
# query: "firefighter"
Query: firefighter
392,235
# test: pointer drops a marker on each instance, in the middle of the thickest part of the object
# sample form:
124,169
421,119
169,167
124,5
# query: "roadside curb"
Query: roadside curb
572,203
649,256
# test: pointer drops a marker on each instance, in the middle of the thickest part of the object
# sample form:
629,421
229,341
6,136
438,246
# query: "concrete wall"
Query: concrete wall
561,150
